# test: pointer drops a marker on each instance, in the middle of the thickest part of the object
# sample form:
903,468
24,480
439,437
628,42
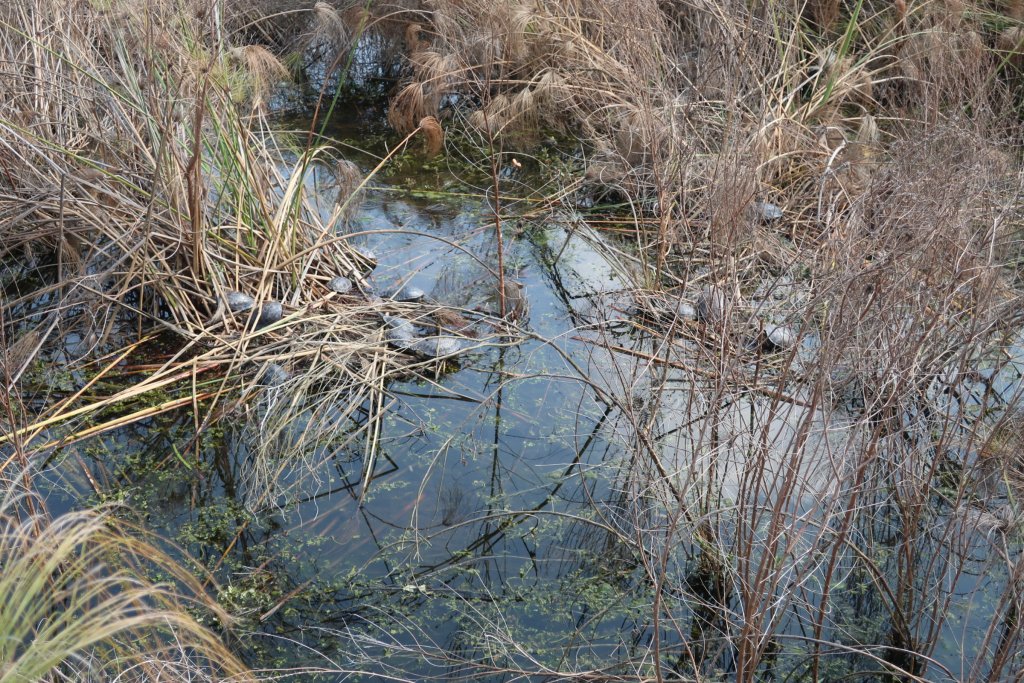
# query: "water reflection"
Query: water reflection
497,515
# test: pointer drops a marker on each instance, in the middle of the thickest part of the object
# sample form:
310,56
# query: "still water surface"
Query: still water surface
498,530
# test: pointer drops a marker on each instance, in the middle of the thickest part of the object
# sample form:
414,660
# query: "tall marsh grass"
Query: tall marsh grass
141,184
142,181
889,135
80,601
815,513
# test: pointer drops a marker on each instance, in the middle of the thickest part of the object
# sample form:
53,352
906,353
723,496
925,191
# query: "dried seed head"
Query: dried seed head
1011,40
349,178
439,70
264,70
328,23
413,103
433,135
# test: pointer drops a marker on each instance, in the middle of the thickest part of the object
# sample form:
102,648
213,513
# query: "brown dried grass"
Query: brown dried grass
154,190
895,156
433,135
263,69
412,104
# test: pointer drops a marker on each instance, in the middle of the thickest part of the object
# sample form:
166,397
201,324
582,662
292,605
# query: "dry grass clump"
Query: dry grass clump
147,187
78,603
261,69
329,42
141,187
660,88
515,58
434,76
289,23
698,111
999,449
415,102
885,134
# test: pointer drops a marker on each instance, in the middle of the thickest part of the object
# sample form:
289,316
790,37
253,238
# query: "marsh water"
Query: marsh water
477,523
493,536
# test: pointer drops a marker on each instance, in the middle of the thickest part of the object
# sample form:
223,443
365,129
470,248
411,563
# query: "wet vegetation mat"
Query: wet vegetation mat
467,340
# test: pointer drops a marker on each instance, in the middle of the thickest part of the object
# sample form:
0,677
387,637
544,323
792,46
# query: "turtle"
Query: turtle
405,293
340,285
269,313
238,302
437,347
712,305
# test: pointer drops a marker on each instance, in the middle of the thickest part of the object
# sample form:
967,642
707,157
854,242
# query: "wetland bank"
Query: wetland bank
510,341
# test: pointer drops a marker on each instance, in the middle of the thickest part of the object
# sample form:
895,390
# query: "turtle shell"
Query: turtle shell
437,347
238,302
340,285
270,313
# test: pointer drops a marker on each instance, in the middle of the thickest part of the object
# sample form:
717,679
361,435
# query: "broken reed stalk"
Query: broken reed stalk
194,179
496,210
